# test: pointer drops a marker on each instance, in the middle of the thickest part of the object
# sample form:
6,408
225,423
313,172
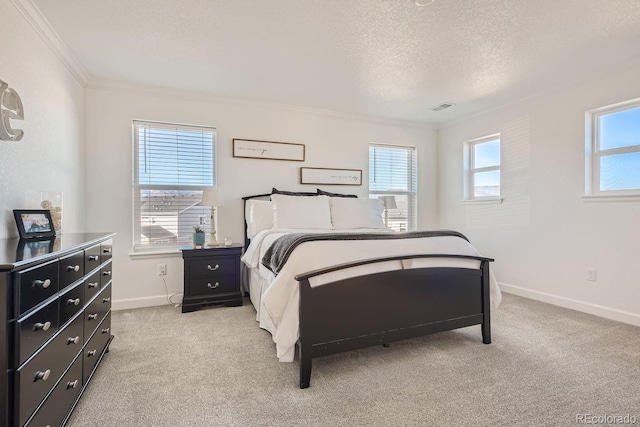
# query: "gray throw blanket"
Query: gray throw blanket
279,252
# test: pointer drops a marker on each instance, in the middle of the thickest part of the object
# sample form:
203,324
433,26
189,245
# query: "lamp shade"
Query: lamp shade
389,202
211,198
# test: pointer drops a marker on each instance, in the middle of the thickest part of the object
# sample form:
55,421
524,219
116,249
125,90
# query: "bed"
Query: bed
325,276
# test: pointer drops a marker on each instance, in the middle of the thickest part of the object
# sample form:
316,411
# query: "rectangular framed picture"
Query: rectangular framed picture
34,223
330,176
254,149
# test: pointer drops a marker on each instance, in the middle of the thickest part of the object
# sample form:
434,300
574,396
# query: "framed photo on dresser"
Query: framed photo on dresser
34,223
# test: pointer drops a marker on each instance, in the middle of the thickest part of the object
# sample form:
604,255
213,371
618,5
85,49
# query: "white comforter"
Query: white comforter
279,303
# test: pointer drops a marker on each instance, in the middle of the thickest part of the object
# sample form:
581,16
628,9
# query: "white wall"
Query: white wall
50,157
330,140
544,236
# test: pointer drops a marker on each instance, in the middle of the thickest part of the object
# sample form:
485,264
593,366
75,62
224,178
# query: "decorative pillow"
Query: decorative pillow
356,213
291,193
301,212
259,216
326,193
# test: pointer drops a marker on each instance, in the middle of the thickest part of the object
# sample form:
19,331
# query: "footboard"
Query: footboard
379,308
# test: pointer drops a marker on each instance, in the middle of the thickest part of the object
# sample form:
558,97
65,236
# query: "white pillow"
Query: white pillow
301,212
259,216
356,213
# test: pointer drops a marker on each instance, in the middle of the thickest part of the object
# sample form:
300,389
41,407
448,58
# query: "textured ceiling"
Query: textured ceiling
386,58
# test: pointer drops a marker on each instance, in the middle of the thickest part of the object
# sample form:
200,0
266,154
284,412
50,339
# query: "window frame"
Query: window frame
593,153
412,208
469,171
142,248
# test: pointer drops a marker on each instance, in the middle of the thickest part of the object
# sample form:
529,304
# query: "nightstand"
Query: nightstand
211,276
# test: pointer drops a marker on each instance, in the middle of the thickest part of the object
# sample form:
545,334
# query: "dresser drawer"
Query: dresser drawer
36,285
71,302
35,329
96,310
92,258
213,285
35,378
105,274
71,268
91,286
106,248
95,346
54,410
215,266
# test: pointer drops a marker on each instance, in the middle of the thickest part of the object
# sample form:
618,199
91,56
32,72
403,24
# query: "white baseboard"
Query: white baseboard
126,304
585,307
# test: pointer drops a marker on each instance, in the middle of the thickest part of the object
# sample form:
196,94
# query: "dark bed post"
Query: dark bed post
305,350
486,303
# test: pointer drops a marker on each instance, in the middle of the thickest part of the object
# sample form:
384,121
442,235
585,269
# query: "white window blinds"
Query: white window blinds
393,171
172,164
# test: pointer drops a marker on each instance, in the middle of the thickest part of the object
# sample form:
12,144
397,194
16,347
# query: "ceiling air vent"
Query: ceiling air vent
443,106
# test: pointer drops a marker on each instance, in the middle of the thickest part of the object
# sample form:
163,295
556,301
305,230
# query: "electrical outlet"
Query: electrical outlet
162,269
592,274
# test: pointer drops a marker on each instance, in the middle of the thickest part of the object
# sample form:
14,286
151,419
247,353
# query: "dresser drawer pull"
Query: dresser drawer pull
42,375
106,300
73,340
44,284
93,257
215,285
73,301
92,316
106,251
106,273
105,330
73,268
93,285
42,326
91,353
72,384
213,268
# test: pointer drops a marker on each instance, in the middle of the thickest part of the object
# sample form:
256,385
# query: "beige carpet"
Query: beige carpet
215,367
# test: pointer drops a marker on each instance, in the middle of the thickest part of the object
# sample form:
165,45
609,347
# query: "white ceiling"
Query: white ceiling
386,58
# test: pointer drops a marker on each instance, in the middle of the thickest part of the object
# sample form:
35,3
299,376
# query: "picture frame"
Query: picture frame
34,223
329,176
256,149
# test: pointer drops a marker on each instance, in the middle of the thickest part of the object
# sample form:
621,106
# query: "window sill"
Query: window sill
485,201
611,198
161,253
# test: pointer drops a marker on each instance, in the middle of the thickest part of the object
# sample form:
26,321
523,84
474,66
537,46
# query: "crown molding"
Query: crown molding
34,16
189,95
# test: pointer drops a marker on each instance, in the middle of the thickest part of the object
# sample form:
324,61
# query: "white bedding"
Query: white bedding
278,303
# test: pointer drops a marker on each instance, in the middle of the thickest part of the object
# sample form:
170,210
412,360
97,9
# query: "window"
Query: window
482,168
393,172
613,150
172,164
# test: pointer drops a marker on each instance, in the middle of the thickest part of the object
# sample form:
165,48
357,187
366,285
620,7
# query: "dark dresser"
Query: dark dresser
211,276
55,299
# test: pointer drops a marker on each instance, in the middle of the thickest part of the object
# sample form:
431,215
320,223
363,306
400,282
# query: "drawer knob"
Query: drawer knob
73,268
105,330
44,284
73,340
106,251
92,316
91,353
93,285
42,375
106,300
73,301
215,285
42,326
72,384
106,273
213,268
93,257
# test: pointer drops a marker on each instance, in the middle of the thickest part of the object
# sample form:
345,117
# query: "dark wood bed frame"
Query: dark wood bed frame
380,308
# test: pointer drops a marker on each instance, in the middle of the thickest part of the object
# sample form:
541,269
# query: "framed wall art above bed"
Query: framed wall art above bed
330,176
255,149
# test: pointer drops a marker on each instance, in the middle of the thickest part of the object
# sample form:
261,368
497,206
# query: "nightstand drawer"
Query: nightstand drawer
213,285
214,266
